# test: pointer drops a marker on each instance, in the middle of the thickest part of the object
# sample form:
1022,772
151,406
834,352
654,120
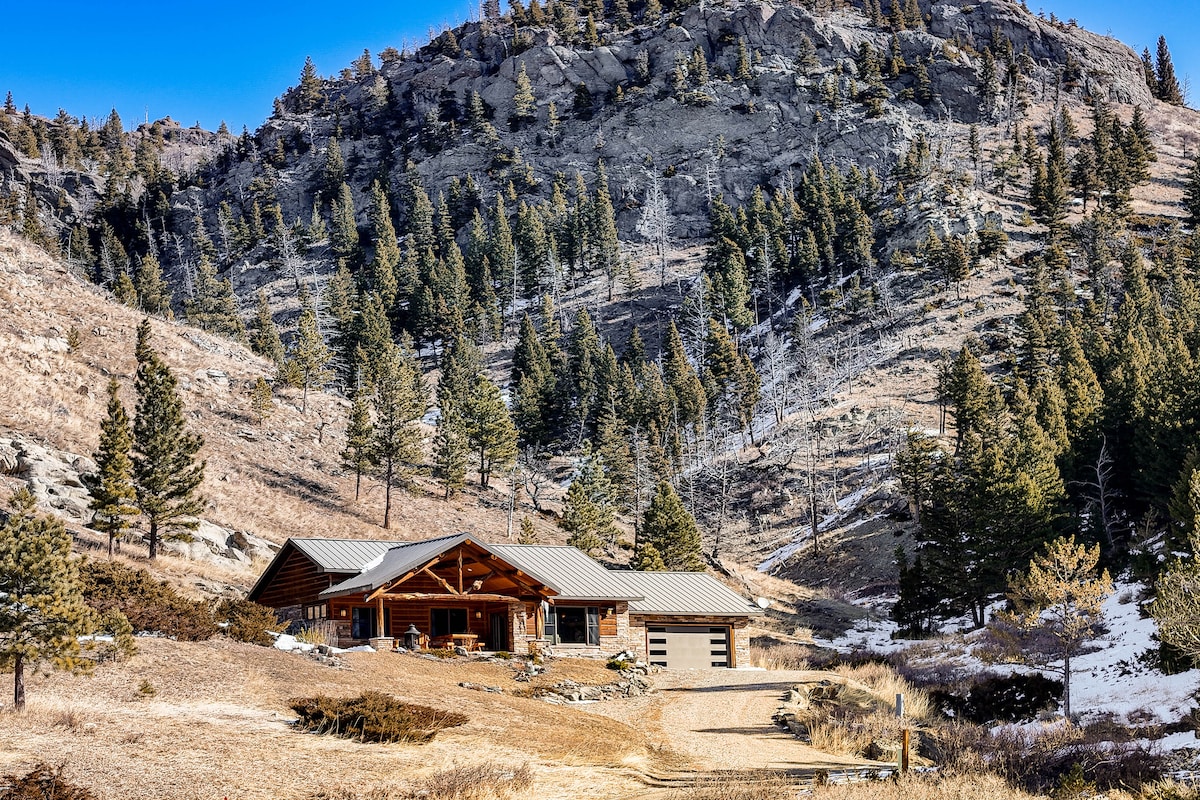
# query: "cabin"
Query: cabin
457,591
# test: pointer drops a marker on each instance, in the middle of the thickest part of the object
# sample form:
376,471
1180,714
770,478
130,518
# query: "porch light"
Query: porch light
412,638
478,614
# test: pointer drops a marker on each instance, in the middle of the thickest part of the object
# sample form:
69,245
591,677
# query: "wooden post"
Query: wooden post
379,619
904,750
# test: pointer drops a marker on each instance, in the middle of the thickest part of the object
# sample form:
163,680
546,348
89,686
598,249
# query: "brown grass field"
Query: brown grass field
206,720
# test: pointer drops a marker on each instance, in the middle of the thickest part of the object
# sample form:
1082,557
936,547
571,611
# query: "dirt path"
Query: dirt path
720,720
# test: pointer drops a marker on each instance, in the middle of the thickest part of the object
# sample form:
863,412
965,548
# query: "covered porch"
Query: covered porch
463,596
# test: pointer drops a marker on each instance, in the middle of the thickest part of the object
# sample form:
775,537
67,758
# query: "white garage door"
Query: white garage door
688,646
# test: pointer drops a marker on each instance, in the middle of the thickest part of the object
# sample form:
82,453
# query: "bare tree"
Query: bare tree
655,224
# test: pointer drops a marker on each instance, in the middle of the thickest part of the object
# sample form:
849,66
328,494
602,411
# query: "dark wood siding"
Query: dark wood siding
296,581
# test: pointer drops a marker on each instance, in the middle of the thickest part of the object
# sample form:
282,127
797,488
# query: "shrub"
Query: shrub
372,717
247,621
478,782
1012,698
42,783
150,606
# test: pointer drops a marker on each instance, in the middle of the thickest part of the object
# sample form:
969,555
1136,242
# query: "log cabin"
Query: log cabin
458,591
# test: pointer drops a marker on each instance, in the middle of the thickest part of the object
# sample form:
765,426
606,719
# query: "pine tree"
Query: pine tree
310,94
309,356
356,455
333,171
154,295
399,402
42,611
1060,597
165,472
343,233
214,307
524,103
1148,69
262,401
265,340
528,533
742,71
489,428
1169,90
451,447
381,272
114,500
671,530
646,558
588,508
1191,195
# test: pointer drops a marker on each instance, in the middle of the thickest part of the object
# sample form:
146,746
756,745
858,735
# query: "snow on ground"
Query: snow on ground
290,644
1115,678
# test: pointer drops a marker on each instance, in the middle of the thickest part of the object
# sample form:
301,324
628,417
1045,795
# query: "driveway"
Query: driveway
720,720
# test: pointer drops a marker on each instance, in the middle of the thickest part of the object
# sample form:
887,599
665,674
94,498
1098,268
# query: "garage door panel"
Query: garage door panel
688,646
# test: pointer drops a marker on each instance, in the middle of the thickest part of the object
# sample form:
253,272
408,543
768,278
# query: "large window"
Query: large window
445,621
575,625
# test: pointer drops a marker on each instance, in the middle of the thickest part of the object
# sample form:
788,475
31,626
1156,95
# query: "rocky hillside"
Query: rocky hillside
715,100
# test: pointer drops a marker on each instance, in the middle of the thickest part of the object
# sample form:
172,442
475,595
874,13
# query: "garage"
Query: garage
688,646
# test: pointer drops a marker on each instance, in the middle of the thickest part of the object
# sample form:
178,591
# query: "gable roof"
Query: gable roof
395,560
342,555
329,555
568,570
684,593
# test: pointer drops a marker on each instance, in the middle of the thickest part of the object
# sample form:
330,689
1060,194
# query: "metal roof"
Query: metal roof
341,555
394,560
568,570
684,593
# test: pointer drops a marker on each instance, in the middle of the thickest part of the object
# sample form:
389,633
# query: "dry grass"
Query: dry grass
218,725
274,480
884,684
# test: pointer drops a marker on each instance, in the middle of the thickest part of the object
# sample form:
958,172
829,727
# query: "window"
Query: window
445,621
576,625
362,623
319,611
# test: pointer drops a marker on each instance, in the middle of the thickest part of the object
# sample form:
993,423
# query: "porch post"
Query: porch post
379,619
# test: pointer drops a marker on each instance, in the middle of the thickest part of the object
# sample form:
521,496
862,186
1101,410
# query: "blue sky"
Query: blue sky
223,60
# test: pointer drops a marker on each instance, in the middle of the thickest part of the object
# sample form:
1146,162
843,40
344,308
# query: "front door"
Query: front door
498,633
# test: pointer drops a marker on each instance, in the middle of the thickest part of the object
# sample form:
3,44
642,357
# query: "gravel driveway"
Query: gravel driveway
720,719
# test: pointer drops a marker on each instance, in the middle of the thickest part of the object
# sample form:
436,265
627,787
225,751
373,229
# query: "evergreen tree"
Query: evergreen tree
1060,597
399,402
451,448
214,307
381,273
333,171
310,94
42,611
1169,90
528,534
524,103
309,356
165,472
356,455
489,428
114,500
646,558
262,401
1191,195
265,340
588,508
671,530
1148,69
343,232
